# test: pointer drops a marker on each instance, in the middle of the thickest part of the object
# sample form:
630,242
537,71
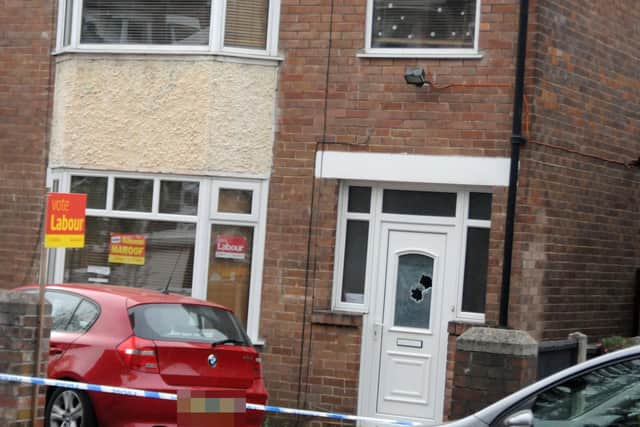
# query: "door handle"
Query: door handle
377,329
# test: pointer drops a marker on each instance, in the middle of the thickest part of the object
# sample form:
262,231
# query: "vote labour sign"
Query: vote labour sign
231,247
127,248
65,221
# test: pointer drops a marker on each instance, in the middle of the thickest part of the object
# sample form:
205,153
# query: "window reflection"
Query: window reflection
426,203
133,194
235,201
150,22
95,187
475,270
179,197
355,261
609,396
423,24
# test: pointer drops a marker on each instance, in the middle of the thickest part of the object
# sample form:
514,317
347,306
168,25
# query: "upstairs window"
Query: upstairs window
423,27
146,22
176,25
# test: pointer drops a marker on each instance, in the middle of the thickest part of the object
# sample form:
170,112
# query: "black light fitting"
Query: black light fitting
415,76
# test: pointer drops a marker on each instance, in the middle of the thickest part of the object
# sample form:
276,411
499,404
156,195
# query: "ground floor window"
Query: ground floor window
195,236
134,252
363,208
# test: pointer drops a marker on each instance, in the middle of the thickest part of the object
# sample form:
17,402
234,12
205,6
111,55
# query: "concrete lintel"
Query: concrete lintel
415,168
499,341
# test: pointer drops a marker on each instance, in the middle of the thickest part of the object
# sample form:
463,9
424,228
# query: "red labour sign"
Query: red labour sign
233,247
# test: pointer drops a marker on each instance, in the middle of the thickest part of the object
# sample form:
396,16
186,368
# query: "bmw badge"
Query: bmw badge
212,360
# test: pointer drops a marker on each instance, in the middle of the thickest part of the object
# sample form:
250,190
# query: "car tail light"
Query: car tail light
139,354
257,369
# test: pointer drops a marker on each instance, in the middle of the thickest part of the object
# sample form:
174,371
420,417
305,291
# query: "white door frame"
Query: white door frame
452,307
372,322
370,350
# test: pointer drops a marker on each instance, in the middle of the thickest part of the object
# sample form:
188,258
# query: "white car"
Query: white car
602,392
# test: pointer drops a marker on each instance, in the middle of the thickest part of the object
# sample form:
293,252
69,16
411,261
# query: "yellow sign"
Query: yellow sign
127,248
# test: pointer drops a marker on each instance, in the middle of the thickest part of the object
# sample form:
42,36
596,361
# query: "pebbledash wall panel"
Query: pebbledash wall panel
26,39
181,114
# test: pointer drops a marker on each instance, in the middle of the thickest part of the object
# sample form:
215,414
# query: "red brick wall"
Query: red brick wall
455,330
368,104
482,378
26,36
576,244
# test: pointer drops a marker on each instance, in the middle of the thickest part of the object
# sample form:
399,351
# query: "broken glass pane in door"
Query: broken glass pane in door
413,291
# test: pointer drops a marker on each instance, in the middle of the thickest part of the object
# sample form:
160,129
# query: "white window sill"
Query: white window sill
476,318
432,55
346,308
221,56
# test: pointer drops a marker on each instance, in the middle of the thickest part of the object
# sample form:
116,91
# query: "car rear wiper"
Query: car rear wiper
226,341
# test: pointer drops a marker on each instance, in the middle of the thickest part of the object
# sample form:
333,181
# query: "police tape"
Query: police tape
88,387
170,396
342,417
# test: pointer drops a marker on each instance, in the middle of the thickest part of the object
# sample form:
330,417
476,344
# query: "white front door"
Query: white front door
416,285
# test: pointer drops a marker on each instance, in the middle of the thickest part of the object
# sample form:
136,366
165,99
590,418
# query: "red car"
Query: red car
143,339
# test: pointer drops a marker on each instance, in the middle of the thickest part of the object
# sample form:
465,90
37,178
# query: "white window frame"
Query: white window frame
236,185
375,217
216,36
340,247
256,220
464,198
419,52
204,218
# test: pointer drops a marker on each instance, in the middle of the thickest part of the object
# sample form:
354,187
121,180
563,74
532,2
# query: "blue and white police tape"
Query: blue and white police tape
171,396
88,387
343,417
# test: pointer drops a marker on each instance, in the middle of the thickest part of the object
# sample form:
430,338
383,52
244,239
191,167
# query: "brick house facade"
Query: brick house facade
316,191
576,243
26,37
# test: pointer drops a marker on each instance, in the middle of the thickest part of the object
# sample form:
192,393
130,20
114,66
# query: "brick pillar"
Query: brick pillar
455,329
490,364
18,335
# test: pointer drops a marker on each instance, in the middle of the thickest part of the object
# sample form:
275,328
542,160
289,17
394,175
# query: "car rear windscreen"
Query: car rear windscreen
186,322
